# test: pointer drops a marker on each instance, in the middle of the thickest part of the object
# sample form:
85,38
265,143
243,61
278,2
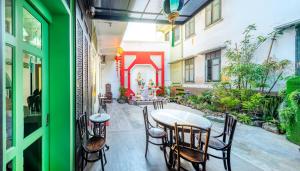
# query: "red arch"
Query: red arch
141,58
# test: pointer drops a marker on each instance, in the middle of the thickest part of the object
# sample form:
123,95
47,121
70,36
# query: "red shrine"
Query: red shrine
150,65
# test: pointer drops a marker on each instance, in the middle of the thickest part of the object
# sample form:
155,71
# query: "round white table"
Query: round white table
99,118
168,118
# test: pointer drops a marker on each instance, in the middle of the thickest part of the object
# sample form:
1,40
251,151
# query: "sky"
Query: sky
141,32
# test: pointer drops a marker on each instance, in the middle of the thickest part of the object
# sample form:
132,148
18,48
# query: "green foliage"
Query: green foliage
122,91
244,118
254,104
294,97
243,71
270,107
287,116
229,103
288,110
247,89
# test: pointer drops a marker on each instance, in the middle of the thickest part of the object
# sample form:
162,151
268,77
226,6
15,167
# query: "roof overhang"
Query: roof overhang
142,10
288,25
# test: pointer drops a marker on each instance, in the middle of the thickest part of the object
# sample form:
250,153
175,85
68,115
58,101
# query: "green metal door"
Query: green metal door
26,93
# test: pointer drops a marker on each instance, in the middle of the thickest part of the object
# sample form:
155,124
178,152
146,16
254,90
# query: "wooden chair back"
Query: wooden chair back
186,137
158,104
146,119
229,129
82,127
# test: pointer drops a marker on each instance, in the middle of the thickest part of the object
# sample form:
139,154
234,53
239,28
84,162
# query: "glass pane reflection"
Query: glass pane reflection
10,166
33,156
32,29
32,90
9,95
8,16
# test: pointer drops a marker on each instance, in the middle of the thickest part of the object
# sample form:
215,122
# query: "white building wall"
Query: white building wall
109,75
236,16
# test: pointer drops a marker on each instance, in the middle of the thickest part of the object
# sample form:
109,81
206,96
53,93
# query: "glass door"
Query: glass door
26,90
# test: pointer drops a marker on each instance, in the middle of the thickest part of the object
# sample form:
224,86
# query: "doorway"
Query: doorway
26,93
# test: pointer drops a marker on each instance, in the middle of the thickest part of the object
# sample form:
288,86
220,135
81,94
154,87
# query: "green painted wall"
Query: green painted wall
62,126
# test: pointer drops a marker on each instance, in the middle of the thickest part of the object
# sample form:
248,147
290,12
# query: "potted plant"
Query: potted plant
122,99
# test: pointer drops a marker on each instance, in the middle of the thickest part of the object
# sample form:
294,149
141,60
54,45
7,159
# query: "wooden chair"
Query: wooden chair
158,104
223,142
188,148
153,132
102,104
108,93
91,144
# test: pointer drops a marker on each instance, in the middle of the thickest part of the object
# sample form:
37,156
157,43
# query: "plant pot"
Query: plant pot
122,100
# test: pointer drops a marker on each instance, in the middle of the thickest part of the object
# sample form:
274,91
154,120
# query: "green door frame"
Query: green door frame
60,18
15,153
1,77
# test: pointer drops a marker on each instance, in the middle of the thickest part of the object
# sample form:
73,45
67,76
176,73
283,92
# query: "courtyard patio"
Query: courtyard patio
254,149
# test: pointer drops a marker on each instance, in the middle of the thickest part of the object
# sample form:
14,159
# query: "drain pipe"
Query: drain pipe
181,54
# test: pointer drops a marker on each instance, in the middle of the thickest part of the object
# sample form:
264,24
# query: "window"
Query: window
176,34
213,66
8,16
32,29
190,28
189,70
9,76
213,12
167,36
32,92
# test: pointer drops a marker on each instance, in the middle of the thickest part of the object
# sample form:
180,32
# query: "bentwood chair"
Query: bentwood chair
91,144
153,132
190,148
158,104
102,104
223,142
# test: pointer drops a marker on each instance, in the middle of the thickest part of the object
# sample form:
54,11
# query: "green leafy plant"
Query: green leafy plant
294,97
287,116
288,110
229,103
254,104
122,98
244,118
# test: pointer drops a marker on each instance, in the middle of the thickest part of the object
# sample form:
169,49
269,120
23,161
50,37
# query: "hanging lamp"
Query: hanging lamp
171,8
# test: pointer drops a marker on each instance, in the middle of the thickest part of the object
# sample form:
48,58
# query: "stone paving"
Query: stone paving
254,149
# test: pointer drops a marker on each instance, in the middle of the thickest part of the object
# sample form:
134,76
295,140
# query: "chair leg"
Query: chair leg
82,162
204,167
224,160
105,161
147,142
196,166
228,161
86,156
178,163
102,165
